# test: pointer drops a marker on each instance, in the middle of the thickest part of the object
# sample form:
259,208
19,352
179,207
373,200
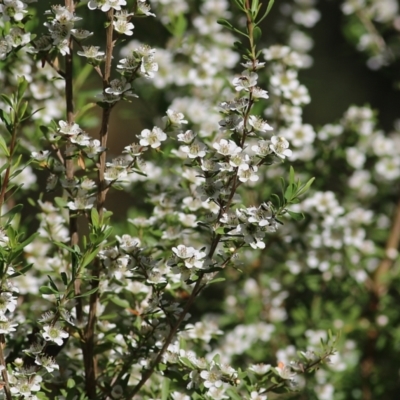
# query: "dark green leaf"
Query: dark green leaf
296,216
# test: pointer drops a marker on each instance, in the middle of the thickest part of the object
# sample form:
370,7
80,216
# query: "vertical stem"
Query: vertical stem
90,331
69,163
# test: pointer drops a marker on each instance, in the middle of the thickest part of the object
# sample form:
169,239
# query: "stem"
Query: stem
6,179
4,373
69,163
90,360
378,287
149,372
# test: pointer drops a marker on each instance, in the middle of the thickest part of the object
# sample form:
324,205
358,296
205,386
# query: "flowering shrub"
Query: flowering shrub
250,234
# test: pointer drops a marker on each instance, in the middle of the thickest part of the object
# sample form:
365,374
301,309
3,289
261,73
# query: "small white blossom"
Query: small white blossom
152,138
54,333
280,146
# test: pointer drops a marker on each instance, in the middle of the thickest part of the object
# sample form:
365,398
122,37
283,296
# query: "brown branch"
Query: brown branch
378,287
90,360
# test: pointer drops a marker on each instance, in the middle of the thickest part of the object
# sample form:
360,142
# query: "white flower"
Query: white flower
299,134
280,146
123,27
152,138
262,148
91,52
249,174
388,167
6,326
245,81
13,9
184,252
47,362
194,150
227,148
118,87
212,378
106,5
81,34
54,333
259,93
259,124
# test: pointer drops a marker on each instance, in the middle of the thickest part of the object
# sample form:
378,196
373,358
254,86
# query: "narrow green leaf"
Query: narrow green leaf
296,216
3,146
89,292
22,270
291,175
94,215
11,213
270,4
304,188
22,109
165,388
47,290
52,283
257,33
289,193
224,22
120,302
64,278
217,280
64,246
88,258
22,85
6,100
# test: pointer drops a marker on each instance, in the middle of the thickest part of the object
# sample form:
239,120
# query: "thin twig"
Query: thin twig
90,359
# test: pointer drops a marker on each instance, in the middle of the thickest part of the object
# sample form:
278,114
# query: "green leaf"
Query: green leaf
21,271
12,213
47,290
165,388
296,216
257,33
22,85
304,188
52,283
270,4
3,146
233,395
64,278
120,302
88,258
289,193
94,215
22,109
217,280
6,100
224,22
291,176
64,246
70,383
88,293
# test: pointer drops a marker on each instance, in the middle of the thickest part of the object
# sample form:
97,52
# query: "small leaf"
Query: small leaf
3,146
270,4
120,302
217,280
289,193
291,175
64,278
89,292
94,216
47,290
304,188
296,216
224,22
257,33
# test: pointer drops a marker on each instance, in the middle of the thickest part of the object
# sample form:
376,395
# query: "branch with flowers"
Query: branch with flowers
100,308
